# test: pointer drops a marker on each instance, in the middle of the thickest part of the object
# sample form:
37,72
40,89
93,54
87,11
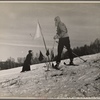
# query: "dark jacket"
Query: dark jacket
28,59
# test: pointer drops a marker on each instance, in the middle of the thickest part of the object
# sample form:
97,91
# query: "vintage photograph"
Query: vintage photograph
50,49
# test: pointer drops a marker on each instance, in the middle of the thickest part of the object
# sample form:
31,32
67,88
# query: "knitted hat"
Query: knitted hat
57,19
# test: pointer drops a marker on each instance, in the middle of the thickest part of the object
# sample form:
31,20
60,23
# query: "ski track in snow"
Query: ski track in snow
71,81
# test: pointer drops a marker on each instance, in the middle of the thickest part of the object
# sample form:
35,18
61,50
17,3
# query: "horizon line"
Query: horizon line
25,45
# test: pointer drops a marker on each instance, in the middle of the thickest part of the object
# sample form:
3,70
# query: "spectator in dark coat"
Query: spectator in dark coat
27,62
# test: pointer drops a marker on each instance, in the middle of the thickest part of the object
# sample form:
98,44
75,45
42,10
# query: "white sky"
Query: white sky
18,20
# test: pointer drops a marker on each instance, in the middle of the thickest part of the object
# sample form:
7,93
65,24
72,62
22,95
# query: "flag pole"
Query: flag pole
45,46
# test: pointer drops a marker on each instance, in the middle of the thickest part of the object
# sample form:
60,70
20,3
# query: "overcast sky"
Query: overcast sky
19,20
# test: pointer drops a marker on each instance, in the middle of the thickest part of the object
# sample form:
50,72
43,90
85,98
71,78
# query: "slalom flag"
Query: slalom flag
52,55
47,53
38,31
41,56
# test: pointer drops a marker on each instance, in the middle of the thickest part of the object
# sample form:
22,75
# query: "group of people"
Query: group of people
62,36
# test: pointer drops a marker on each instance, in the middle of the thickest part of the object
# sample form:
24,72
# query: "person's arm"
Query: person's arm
56,36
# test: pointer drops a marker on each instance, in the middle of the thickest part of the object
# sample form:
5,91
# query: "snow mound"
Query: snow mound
78,81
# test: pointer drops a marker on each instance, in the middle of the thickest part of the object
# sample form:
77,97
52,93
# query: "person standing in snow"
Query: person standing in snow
62,36
27,62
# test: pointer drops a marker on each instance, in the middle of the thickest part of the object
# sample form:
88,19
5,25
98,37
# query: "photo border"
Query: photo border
49,1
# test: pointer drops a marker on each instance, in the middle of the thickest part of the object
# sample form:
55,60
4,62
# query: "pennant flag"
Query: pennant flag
41,56
52,55
38,31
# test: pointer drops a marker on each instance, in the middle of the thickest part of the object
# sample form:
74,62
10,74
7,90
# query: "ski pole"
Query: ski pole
53,51
79,57
53,45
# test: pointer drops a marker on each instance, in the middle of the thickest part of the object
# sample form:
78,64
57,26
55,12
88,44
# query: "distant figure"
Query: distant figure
62,36
27,62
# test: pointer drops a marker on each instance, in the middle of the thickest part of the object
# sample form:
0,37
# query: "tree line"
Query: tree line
93,48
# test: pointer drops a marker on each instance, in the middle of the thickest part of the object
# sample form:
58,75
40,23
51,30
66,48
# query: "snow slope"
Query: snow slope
71,81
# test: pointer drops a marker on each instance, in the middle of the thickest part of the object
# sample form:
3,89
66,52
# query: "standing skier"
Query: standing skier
62,35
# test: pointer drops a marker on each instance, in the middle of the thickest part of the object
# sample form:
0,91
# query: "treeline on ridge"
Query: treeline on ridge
93,48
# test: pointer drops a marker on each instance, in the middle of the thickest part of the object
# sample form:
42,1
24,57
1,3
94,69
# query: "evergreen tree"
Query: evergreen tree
41,57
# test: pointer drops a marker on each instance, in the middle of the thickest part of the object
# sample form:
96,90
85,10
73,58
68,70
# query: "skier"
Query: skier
27,62
62,36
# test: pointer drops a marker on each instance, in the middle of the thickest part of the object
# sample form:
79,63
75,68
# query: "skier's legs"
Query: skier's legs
60,48
67,45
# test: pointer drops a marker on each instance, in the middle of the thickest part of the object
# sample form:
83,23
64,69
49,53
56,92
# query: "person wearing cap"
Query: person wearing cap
62,36
27,62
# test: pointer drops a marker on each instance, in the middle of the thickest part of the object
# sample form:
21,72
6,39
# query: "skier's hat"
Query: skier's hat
57,18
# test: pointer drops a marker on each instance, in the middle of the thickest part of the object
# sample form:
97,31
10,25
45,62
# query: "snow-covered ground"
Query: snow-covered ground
82,80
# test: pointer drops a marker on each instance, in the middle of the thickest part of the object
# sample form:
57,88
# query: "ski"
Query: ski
53,66
70,64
